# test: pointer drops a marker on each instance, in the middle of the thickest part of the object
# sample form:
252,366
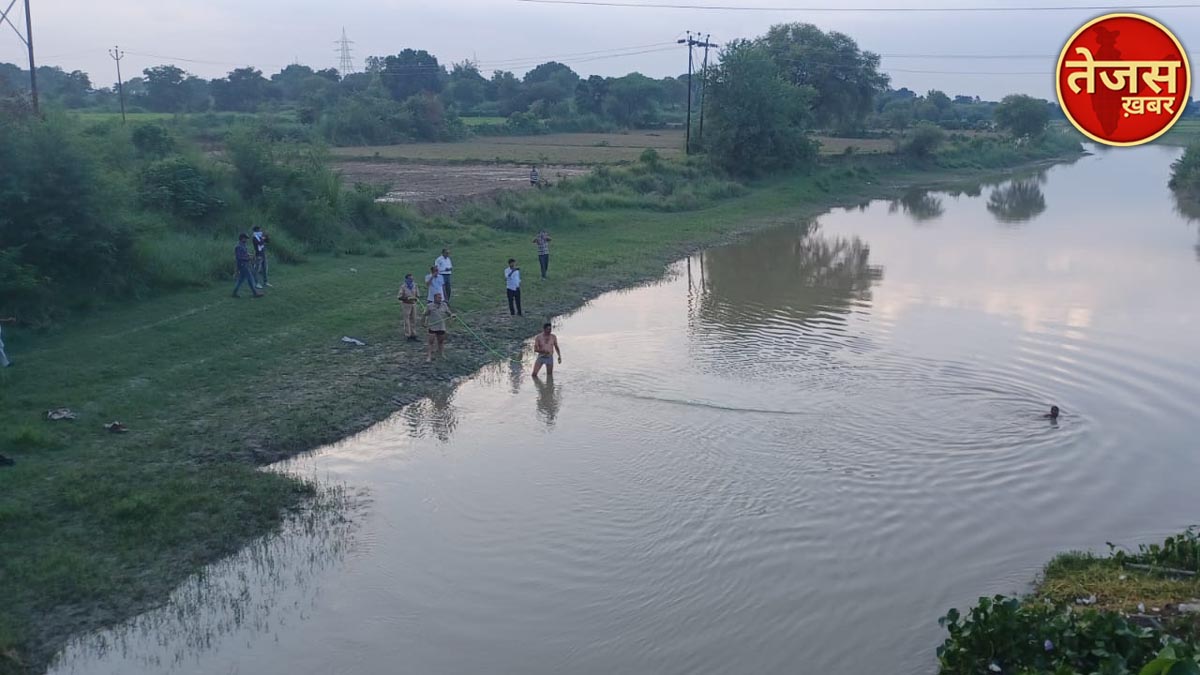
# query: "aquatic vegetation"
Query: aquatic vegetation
1128,612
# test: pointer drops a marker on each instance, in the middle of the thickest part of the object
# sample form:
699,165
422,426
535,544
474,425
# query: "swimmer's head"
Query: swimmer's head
1053,412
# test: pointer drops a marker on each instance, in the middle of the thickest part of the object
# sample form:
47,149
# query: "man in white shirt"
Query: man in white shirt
512,279
436,287
445,268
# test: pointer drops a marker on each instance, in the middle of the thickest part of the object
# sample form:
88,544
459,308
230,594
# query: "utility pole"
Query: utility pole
693,42
27,40
117,55
704,81
687,148
32,67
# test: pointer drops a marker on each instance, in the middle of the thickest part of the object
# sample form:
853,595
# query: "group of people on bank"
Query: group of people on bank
439,289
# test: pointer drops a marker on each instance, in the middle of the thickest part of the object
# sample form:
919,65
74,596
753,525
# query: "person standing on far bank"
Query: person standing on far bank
534,178
244,274
4,362
436,285
512,278
408,297
543,244
260,254
445,268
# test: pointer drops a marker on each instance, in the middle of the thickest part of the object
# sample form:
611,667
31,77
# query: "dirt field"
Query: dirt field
557,149
441,186
438,176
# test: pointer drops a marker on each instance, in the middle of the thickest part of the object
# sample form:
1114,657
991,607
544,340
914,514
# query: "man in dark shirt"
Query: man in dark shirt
244,273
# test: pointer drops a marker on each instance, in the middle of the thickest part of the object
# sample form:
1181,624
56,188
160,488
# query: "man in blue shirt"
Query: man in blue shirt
244,273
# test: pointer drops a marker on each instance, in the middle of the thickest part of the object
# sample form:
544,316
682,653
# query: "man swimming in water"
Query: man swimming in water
546,344
1053,414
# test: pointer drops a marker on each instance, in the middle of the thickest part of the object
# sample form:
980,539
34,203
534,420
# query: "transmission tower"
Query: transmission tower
345,63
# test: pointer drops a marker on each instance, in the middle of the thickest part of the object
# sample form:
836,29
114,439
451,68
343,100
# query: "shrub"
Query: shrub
924,141
178,186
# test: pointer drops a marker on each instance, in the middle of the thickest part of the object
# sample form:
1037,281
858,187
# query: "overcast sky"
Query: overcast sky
217,35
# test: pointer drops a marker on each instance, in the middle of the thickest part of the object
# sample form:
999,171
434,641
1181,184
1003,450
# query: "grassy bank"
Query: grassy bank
1130,611
97,526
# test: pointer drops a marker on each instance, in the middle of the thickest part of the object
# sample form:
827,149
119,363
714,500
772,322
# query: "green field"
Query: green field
481,121
1185,132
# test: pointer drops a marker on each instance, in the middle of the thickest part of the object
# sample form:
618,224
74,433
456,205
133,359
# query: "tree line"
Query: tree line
411,95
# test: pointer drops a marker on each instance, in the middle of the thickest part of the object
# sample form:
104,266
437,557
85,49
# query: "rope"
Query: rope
482,341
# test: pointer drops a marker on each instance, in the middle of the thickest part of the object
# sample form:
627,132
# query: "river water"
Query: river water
792,454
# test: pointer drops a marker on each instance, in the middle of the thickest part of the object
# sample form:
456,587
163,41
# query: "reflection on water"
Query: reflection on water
791,455
548,401
1189,209
920,205
1018,201
266,587
434,417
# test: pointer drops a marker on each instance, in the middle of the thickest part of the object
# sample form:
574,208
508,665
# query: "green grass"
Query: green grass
1185,132
100,526
481,121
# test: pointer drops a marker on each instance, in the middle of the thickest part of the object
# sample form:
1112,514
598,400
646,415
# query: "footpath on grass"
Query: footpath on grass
98,527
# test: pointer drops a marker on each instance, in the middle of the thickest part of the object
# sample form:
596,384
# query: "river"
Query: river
791,455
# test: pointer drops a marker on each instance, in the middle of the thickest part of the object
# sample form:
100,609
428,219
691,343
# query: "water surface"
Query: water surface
793,454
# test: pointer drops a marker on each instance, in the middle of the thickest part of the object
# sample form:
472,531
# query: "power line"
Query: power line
748,8
543,59
518,66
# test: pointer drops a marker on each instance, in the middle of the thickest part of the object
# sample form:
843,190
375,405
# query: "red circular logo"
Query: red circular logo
1123,79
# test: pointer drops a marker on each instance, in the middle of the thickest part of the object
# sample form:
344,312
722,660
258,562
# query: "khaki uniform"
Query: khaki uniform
409,299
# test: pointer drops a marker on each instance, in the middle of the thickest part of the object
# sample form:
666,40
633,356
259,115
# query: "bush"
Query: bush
171,259
180,187
924,141
63,215
1185,173
1015,637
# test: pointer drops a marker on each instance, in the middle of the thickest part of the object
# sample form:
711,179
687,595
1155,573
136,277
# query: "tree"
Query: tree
1022,116
632,100
551,81
164,88
467,87
244,89
845,79
758,119
411,72
589,95
289,82
508,92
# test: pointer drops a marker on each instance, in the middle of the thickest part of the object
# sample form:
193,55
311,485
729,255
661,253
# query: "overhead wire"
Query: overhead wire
840,9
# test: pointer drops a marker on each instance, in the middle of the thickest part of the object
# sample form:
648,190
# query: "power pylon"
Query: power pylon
345,63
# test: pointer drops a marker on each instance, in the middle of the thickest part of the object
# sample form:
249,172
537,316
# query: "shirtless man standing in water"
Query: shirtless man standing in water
546,344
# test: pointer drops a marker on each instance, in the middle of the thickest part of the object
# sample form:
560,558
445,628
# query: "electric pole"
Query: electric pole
27,40
32,67
704,81
687,148
117,55
693,42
